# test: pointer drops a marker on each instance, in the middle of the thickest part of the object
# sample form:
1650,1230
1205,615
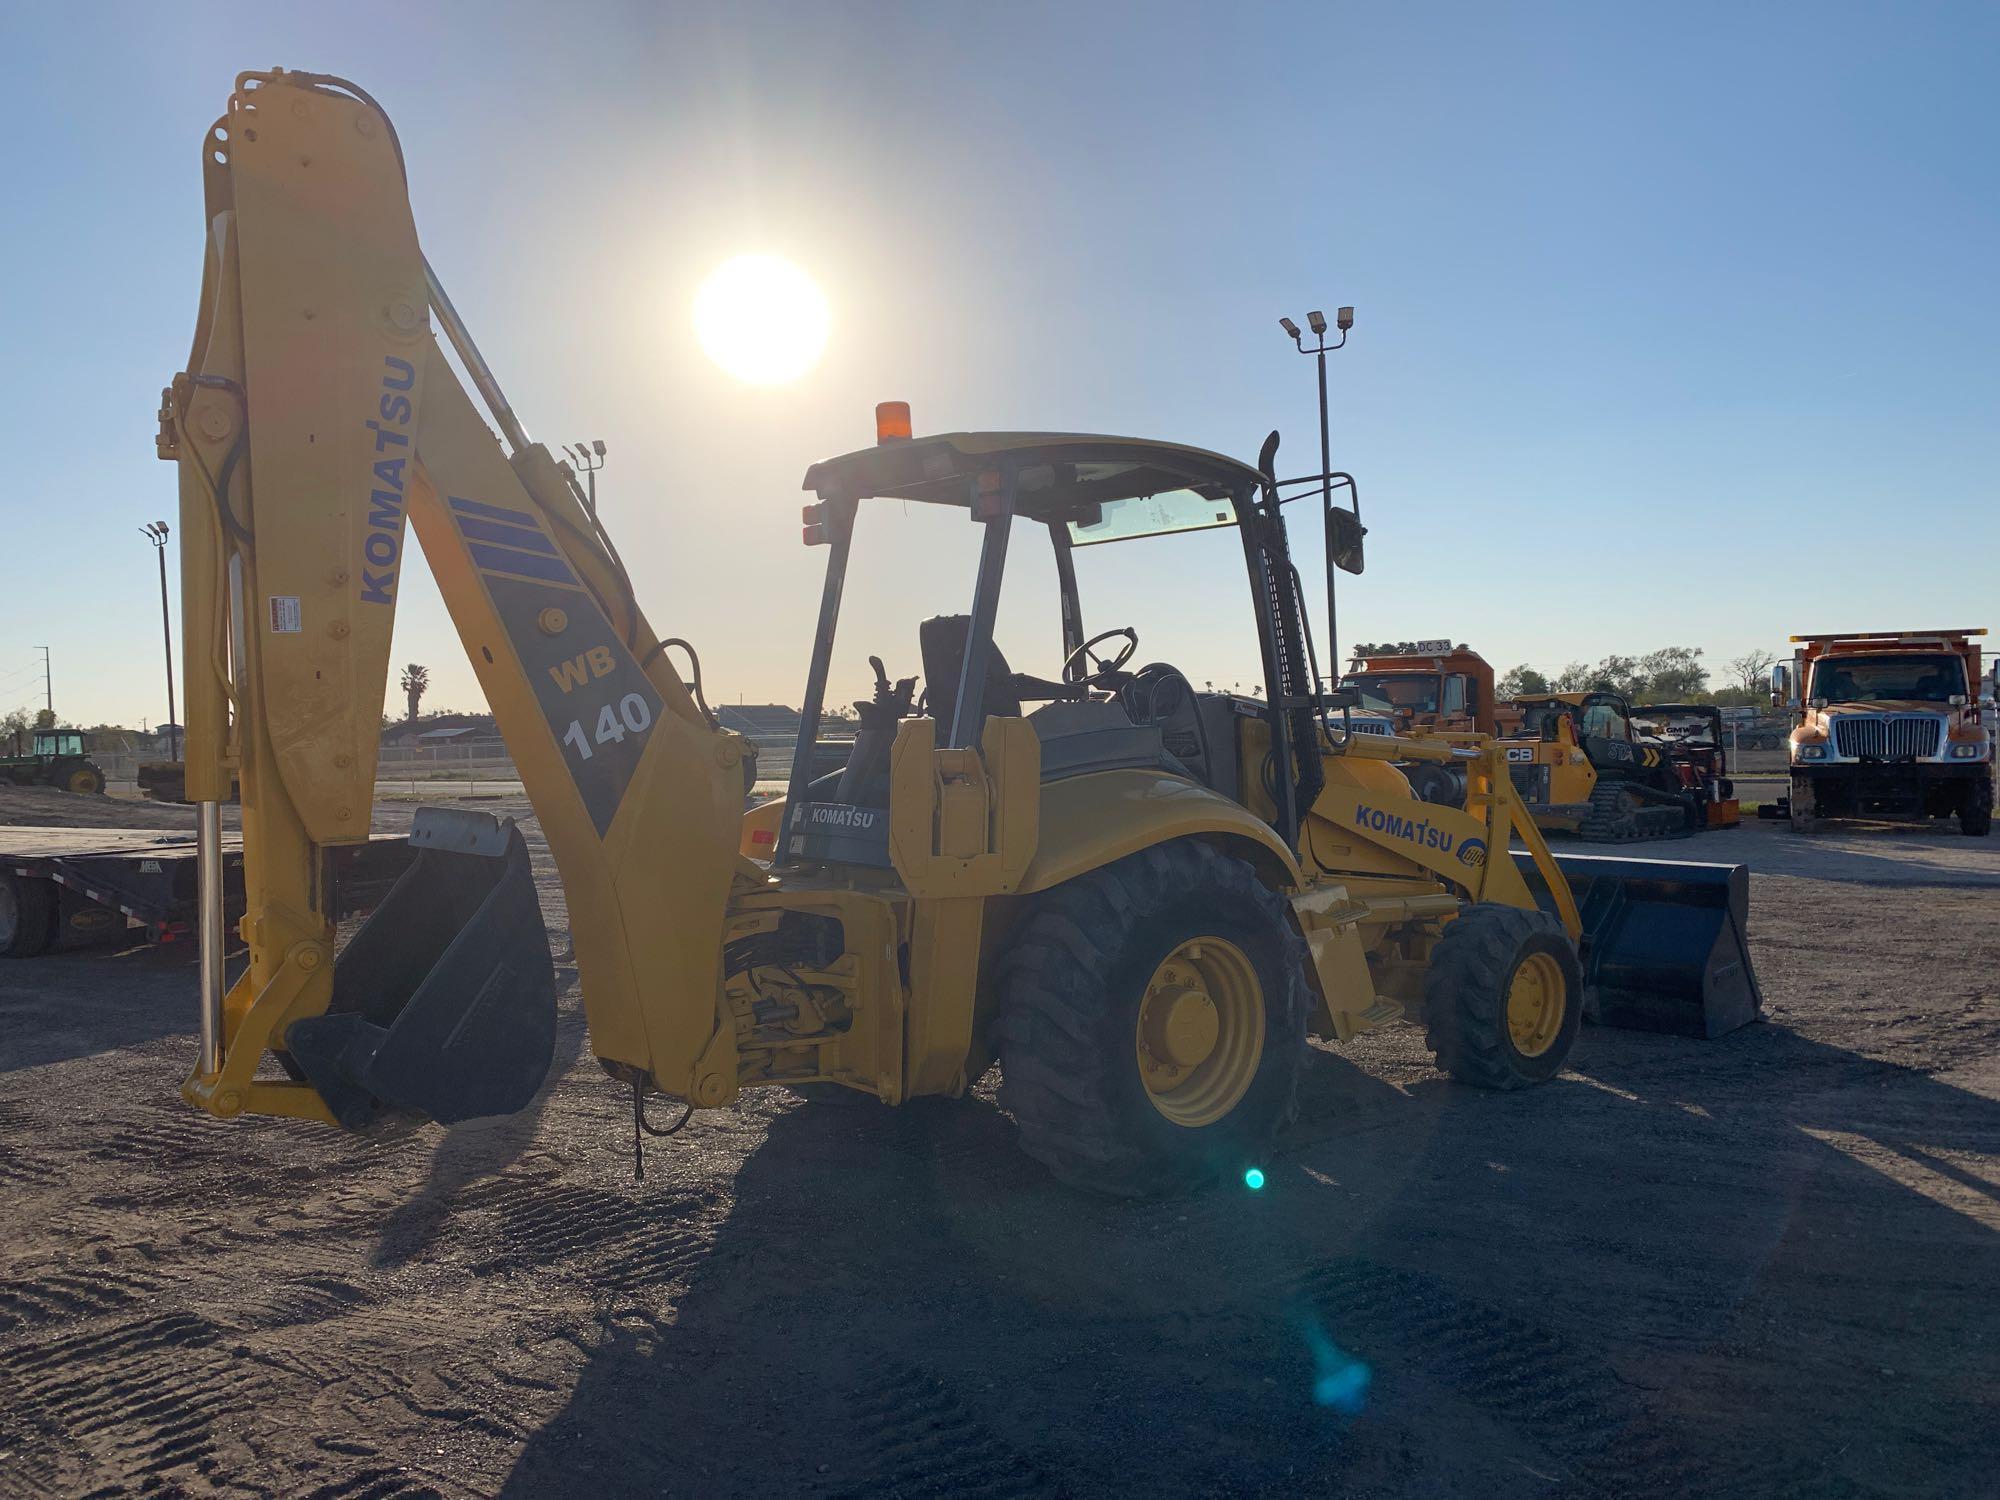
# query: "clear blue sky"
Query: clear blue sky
1674,322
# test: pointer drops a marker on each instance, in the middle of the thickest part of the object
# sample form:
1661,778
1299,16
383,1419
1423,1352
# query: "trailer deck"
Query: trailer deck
64,887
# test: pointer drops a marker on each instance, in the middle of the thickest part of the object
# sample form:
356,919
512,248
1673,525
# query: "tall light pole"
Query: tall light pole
1316,321
587,458
48,685
156,533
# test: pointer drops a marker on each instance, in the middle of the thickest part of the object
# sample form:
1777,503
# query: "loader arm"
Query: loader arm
317,418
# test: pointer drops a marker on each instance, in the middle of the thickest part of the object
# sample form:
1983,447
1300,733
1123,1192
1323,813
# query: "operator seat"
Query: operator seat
941,641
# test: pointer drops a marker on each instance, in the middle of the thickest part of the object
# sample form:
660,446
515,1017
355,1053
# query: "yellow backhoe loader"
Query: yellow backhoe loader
1138,899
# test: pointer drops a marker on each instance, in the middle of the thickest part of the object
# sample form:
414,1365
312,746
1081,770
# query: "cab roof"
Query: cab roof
1059,476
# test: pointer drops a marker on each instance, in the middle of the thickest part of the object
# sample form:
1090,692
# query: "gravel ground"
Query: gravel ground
1763,1264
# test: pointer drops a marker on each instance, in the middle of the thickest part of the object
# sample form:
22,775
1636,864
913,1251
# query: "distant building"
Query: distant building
760,720
442,729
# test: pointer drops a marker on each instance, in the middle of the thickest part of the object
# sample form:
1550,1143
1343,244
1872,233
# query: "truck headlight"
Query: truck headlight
1968,750
1812,752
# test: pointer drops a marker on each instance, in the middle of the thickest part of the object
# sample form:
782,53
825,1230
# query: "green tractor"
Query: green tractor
55,757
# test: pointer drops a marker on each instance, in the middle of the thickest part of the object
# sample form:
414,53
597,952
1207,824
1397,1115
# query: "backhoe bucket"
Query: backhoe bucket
1664,942
444,1003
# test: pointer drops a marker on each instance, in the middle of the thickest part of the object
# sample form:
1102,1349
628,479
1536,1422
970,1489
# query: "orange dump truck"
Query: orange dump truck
1888,724
1430,685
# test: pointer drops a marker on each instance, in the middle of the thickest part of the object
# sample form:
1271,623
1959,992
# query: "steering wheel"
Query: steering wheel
1085,664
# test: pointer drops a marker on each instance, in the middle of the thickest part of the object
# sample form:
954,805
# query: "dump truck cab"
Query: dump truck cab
1888,724
1424,685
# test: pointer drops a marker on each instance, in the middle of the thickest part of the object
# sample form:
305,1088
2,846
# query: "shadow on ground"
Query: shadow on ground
1647,1278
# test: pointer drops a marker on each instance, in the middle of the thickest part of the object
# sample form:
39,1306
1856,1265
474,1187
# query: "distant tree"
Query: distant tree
1673,674
416,681
1752,671
1522,682
1577,677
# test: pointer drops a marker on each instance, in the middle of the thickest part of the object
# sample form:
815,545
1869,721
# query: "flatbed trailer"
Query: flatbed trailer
88,887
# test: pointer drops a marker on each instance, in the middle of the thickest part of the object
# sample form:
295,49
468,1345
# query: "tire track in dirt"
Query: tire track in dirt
922,1440
61,1294
1554,1395
138,1401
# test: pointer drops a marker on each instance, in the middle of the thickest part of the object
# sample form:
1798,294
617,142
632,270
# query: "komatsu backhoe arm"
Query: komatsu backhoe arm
316,416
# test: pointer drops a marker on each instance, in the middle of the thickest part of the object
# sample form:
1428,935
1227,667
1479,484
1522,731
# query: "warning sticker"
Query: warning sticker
285,618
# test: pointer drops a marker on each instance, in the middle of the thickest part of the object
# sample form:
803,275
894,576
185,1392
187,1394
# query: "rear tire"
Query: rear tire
1098,1094
1503,997
27,915
83,778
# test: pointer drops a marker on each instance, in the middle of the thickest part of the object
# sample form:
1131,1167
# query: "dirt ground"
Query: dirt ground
1764,1264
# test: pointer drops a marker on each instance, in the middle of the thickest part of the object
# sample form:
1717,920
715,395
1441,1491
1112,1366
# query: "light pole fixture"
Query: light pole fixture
156,533
1343,537
587,458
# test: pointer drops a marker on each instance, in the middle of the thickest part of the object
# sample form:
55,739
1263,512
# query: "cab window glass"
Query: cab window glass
1604,719
1454,694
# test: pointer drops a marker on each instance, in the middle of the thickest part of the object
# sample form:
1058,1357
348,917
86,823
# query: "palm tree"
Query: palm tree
415,680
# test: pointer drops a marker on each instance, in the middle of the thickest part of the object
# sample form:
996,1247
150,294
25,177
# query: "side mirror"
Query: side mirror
1781,686
1816,703
1347,534
1957,700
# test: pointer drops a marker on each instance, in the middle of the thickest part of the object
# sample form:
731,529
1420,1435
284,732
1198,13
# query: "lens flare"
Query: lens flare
1254,1178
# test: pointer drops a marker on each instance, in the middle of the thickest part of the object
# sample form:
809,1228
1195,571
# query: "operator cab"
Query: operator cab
1098,711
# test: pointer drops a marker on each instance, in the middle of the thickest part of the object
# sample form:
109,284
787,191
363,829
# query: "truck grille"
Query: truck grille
1886,738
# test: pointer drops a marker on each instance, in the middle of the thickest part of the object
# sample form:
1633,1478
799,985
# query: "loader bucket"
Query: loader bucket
444,1003
1665,943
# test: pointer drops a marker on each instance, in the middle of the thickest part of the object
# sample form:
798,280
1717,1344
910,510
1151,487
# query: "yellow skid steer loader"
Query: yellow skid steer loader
1138,899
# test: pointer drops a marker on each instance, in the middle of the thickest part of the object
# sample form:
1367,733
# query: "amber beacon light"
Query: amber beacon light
892,421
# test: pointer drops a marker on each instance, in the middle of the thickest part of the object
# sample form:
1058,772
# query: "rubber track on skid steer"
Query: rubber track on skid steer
1612,821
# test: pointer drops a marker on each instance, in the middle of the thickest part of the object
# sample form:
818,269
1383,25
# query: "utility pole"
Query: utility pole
48,684
156,533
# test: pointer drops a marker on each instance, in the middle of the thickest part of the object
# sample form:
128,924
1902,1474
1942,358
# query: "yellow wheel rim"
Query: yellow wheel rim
1536,1000
1201,1031
83,781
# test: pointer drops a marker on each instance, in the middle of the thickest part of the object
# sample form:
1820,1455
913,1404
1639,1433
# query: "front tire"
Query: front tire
1804,806
1152,1022
1975,816
1503,997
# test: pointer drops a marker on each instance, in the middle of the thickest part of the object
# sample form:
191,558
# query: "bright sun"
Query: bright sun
761,319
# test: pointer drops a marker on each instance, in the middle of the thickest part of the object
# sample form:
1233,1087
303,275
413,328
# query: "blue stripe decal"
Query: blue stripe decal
507,536
522,564
491,512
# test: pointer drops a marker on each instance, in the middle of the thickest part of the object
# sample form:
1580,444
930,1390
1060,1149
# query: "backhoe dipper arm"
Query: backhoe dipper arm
317,413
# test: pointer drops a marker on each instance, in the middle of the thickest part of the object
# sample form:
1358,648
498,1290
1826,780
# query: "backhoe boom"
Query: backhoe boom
318,418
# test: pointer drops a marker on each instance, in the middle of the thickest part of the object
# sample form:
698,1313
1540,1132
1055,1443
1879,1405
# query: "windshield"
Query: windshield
1393,692
1927,678
1151,515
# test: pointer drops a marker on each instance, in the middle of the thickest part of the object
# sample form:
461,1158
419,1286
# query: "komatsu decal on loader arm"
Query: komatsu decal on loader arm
1137,898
